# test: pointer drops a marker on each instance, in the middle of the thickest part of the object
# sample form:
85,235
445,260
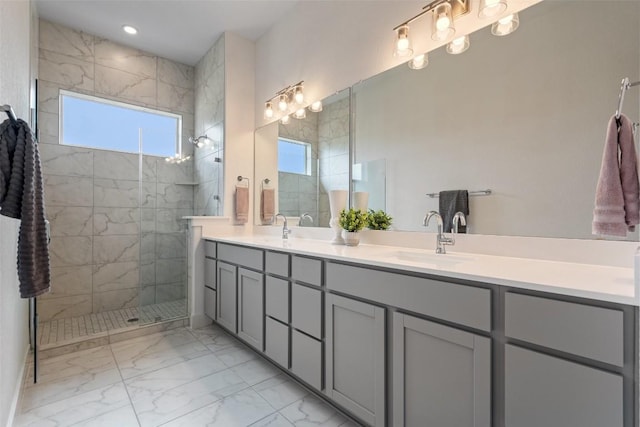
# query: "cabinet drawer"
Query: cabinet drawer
307,270
277,263
584,330
210,273
210,303
306,358
462,304
246,257
209,249
277,342
306,310
277,296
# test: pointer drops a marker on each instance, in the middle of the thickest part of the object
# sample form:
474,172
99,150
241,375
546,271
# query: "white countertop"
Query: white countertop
603,283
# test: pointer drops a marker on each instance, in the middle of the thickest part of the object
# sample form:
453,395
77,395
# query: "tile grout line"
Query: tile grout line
133,408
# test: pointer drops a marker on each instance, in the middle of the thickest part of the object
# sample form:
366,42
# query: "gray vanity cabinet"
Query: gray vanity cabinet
250,307
441,375
543,390
226,296
355,357
210,279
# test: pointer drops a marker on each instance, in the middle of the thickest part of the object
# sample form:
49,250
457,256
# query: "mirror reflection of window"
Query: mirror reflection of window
294,156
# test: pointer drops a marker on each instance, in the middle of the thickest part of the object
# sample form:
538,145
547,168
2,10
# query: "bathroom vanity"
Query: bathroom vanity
402,337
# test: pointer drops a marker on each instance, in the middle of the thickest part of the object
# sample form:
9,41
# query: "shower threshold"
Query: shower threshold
83,331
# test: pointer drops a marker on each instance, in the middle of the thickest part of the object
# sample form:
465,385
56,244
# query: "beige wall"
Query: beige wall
15,72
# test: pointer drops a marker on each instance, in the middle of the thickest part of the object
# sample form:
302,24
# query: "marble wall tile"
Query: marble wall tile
115,300
70,221
147,294
68,251
171,292
66,160
66,70
60,308
172,173
124,58
61,39
175,73
171,271
115,165
114,221
119,275
206,168
171,245
119,193
148,218
48,95
109,249
68,281
339,164
125,85
174,196
48,127
148,273
150,167
175,98
68,191
148,247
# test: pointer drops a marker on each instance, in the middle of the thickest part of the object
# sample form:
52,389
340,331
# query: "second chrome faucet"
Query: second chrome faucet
441,238
285,229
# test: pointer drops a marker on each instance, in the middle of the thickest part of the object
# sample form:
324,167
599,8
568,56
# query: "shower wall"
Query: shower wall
111,247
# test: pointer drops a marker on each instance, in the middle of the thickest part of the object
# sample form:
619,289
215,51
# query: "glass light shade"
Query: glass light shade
285,120
442,26
402,42
298,95
268,110
505,26
459,45
419,62
283,103
316,106
300,114
491,8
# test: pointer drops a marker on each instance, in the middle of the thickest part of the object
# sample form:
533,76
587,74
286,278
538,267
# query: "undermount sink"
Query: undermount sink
438,259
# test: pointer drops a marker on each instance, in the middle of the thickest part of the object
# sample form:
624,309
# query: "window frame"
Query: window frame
308,155
92,98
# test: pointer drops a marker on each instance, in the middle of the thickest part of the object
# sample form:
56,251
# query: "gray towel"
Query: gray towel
451,202
22,197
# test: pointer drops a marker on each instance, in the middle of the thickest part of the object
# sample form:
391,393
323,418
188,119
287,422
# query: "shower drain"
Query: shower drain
133,319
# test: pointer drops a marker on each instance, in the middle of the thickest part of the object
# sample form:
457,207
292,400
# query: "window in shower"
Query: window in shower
88,121
294,156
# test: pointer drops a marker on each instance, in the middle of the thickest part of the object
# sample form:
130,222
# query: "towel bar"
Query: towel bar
471,193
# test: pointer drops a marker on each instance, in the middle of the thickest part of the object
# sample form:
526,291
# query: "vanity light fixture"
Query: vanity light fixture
285,119
283,102
268,110
200,141
459,45
130,29
505,26
491,8
442,23
316,106
402,42
286,100
300,113
419,62
298,94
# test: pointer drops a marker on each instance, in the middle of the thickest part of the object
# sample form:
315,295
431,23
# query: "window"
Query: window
88,121
294,156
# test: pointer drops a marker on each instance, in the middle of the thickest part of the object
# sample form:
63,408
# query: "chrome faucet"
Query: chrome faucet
458,219
303,216
285,229
441,239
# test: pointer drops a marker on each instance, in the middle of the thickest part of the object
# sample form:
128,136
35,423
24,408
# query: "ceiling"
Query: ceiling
181,30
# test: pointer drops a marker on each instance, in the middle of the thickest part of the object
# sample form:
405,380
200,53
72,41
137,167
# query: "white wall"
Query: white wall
333,44
15,72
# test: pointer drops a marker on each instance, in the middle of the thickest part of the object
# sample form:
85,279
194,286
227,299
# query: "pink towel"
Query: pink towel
267,206
242,205
618,194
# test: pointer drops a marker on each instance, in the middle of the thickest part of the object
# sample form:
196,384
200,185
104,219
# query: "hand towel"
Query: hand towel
242,204
451,202
267,206
22,197
617,201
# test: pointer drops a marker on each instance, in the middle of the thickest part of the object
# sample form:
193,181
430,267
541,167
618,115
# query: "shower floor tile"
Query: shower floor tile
100,324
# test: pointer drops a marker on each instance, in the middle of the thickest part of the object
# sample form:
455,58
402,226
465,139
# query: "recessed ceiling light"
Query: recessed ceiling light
129,29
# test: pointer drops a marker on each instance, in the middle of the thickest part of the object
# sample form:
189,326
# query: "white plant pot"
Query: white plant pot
337,202
351,238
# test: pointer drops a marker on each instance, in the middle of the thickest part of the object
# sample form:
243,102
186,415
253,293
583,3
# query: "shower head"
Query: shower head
200,141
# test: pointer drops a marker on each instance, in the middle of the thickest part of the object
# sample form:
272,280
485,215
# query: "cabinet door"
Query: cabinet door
306,358
276,344
210,303
227,296
441,375
210,273
355,357
251,307
542,390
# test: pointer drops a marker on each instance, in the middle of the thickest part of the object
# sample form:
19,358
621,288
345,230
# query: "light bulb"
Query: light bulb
130,29
506,25
443,22
419,62
268,110
299,95
282,103
506,20
285,120
459,45
491,8
316,106
300,114
402,42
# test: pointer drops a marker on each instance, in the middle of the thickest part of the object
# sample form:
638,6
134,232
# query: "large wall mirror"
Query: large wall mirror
302,160
523,115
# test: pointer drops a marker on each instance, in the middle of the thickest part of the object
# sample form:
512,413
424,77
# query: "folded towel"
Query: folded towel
267,206
617,203
22,197
242,204
451,202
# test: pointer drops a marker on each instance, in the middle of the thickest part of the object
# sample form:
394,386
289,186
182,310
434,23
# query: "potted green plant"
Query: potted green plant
378,220
352,221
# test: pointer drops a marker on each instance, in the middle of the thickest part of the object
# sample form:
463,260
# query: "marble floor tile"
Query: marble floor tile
273,420
311,411
76,409
235,354
155,408
238,410
122,417
280,391
81,362
255,371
